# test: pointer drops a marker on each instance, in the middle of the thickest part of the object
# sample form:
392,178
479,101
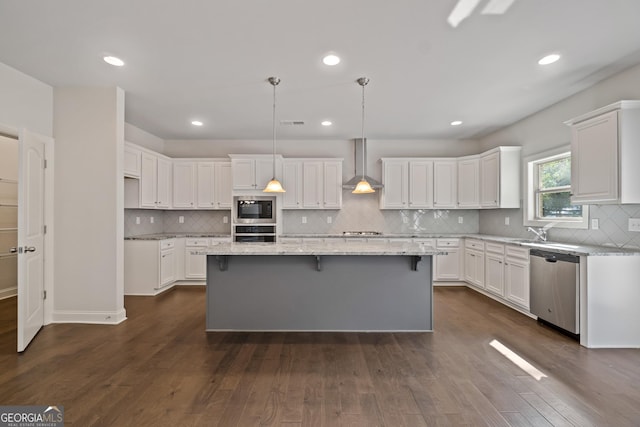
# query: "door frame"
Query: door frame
49,287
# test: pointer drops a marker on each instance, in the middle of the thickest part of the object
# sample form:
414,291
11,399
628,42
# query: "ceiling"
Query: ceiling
210,60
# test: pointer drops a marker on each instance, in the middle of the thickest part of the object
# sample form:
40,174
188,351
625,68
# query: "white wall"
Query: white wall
89,205
25,102
143,138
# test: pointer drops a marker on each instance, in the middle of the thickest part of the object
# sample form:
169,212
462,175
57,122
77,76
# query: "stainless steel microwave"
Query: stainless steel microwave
254,209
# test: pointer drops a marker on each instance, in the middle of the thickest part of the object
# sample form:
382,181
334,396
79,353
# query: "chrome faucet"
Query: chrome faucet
541,233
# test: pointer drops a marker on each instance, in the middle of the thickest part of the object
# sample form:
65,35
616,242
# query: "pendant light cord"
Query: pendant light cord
364,166
274,131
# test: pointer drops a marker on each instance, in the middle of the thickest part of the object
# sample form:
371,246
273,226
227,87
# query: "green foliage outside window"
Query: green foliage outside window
554,186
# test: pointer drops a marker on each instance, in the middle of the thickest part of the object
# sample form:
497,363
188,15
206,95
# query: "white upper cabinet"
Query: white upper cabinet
604,155
395,177
131,161
469,182
312,184
213,185
184,185
500,178
445,183
421,184
253,172
155,181
292,183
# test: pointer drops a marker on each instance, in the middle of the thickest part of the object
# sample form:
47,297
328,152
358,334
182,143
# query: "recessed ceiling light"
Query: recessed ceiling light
197,123
549,59
116,62
326,123
456,123
331,59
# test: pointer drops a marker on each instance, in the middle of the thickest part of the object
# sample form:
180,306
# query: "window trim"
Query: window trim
530,191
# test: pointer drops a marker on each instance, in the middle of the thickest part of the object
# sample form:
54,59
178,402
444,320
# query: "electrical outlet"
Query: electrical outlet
225,219
151,220
181,219
329,220
304,219
595,224
460,220
405,220
137,220
506,220
634,224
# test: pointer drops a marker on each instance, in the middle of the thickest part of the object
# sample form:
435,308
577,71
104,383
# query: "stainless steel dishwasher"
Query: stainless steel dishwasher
554,289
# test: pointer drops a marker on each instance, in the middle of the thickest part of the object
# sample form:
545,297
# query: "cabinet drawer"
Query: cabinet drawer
517,252
425,242
200,242
447,243
167,244
474,244
496,248
218,240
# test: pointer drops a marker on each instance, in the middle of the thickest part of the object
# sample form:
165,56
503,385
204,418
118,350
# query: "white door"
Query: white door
30,237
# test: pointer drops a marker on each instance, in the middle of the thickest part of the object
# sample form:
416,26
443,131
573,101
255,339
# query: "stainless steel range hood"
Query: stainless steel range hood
360,153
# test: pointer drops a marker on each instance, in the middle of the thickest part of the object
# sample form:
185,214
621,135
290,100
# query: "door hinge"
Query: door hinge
44,229
45,163
44,294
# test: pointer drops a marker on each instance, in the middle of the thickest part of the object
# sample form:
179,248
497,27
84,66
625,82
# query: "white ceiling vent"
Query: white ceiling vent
291,122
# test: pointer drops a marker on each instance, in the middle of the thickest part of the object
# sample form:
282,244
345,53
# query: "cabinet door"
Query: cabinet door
516,276
148,181
195,266
222,194
164,183
474,268
421,184
292,182
244,174
494,274
395,176
205,193
332,183
594,159
167,267
131,161
490,180
445,184
184,185
264,172
447,267
469,183
312,182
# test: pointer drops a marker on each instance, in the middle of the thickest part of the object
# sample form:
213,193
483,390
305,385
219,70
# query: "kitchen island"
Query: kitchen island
339,286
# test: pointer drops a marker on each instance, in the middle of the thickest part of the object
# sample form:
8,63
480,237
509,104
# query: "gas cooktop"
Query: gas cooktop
361,233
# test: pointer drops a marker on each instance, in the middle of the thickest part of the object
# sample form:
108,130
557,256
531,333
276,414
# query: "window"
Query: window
549,192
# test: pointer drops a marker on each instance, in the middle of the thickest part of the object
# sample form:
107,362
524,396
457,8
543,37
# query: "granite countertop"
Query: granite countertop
321,248
163,236
562,247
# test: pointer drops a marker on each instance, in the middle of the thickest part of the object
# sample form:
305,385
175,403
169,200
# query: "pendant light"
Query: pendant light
274,185
363,186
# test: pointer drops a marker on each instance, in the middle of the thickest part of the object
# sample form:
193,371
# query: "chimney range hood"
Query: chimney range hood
360,154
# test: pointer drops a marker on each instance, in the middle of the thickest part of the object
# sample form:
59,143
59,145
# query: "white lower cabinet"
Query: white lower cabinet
149,266
474,262
494,268
195,265
450,266
516,276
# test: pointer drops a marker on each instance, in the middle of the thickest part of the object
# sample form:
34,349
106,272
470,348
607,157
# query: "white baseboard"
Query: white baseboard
191,283
449,283
8,293
92,317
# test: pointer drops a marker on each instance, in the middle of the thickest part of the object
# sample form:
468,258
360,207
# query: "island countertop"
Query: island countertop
322,248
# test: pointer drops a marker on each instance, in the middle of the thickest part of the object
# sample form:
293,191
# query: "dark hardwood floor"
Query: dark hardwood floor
159,368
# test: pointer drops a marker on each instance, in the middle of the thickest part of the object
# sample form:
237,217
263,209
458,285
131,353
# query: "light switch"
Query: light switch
151,219
304,219
595,224
329,220
634,224
506,220
225,219
137,220
181,219
460,220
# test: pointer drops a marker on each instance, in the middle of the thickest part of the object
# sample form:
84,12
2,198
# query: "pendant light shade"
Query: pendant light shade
274,185
363,187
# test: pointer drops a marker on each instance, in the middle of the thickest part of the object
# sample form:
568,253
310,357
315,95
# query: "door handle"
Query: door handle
29,248
13,250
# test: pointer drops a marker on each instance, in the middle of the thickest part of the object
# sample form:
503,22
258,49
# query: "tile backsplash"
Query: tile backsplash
613,226
168,222
362,213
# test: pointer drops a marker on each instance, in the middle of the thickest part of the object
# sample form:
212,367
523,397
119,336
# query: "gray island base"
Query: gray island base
319,287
